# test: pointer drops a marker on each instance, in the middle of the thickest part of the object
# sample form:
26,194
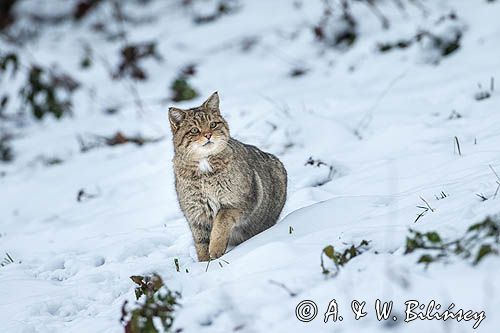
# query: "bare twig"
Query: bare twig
425,209
420,6
496,174
176,262
431,209
368,116
378,13
208,264
441,196
282,285
458,146
481,196
498,181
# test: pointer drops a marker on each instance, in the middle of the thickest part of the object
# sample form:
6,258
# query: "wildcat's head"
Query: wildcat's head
201,131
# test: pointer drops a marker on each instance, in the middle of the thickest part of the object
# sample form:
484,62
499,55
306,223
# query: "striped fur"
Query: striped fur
239,193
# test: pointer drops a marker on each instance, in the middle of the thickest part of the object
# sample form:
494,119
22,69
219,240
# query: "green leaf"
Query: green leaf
138,293
329,252
425,259
484,250
433,237
138,279
411,245
476,226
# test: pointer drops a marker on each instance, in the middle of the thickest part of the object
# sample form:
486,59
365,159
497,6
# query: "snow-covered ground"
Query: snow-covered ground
383,121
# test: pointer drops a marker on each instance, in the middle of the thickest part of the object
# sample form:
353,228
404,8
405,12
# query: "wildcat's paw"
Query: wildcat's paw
216,249
202,251
203,258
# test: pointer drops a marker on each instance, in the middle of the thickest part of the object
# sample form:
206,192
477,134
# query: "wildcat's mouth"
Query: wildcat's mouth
208,147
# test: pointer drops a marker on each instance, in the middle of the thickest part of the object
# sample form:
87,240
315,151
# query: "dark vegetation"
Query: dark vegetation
337,259
222,8
6,151
479,241
154,310
6,13
7,260
92,141
317,163
338,28
48,92
131,56
483,93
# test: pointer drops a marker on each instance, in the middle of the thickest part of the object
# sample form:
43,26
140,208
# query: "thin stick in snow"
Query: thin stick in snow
458,146
282,285
429,206
498,181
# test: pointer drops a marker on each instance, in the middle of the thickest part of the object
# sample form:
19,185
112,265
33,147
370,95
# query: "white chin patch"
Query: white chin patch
204,165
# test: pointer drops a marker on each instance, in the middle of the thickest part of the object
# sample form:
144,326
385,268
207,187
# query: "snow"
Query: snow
73,259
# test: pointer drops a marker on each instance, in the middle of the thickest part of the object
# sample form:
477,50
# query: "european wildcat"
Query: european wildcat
228,191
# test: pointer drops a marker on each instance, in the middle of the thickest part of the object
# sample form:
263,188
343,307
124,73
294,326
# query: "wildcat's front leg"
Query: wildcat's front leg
200,224
221,230
201,236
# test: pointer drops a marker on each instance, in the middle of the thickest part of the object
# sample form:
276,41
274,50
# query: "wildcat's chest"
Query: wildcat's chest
211,200
204,166
216,191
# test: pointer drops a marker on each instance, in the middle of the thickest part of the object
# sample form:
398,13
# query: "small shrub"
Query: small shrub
6,151
223,7
9,59
483,93
444,44
327,177
155,313
182,90
339,259
83,7
48,92
480,239
131,55
7,16
337,29
437,42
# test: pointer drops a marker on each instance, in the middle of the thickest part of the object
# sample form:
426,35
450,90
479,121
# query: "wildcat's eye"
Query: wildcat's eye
195,130
213,124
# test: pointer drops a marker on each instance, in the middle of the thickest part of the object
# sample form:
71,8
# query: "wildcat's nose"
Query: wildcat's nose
208,135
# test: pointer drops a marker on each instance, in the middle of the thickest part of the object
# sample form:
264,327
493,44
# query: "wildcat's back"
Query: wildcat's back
228,191
269,183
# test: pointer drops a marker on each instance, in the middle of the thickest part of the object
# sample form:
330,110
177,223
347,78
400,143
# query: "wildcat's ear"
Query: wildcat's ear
212,103
176,116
